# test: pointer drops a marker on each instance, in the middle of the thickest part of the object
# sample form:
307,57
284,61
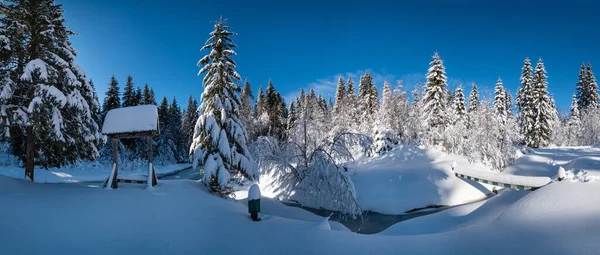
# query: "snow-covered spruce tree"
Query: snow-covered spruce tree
401,111
129,93
139,98
414,125
112,100
581,88
385,136
246,111
291,117
434,102
525,103
148,96
574,124
367,103
473,98
47,101
500,103
459,107
509,104
276,109
189,121
338,108
164,142
176,127
546,112
261,122
220,136
591,88
590,130
350,106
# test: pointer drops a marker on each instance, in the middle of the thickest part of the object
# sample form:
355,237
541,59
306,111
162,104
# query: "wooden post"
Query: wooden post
115,155
150,159
29,155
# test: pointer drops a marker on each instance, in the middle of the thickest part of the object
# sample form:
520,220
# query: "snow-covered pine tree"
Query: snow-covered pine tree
473,98
366,103
148,96
509,104
459,106
581,88
175,127
574,124
129,93
138,98
546,113
246,111
189,121
46,98
401,111
338,108
350,106
164,141
434,102
592,88
220,137
386,114
500,103
291,117
525,103
112,100
275,107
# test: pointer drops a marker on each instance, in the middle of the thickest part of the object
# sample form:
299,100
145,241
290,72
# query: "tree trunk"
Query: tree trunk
29,155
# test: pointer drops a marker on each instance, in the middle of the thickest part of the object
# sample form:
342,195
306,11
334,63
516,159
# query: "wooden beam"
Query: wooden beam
134,134
115,155
151,171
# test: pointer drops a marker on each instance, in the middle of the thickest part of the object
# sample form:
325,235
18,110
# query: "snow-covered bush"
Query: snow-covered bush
383,142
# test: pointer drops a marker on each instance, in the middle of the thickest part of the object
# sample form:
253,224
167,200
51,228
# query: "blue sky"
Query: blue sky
308,44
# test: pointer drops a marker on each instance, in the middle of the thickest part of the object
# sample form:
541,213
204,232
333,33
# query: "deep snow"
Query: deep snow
181,217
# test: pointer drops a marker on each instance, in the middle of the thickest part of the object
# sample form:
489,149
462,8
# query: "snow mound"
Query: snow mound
131,119
410,177
254,192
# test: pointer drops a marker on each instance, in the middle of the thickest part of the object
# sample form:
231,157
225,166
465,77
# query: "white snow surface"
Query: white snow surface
254,192
409,177
131,119
532,181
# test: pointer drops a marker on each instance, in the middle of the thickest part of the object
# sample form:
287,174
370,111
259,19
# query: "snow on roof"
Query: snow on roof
141,118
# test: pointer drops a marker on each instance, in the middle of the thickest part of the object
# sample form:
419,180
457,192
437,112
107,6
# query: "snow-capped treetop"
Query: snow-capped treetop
131,119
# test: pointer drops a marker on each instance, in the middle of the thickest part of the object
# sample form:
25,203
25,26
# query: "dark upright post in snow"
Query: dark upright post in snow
29,164
115,155
150,158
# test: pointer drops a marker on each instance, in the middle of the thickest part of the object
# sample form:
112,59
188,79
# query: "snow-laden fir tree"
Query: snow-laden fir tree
545,116
459,107
574,124
189,121
139,97
246,111
350,107
277,113
401,111
473,98
220,137
434,102
112,100
509,104
582,95
46,99
129,93
525,103
500,103
414,125
591,88
148,96
338,108
291,117
386,113
175,126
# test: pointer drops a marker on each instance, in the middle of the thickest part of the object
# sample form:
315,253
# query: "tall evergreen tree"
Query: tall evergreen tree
112,100
138,98
546,112
260,102
367,102
338,108
459,107
500,103
50,100
387,111
401,111
525,103
176,131
509,104
220,137
582,95
435,100
189,121
592,88
129,93
473,98
275,107
291,117
350,105
246,111
574,124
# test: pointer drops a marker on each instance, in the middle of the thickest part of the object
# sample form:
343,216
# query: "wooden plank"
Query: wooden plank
115,155
134,134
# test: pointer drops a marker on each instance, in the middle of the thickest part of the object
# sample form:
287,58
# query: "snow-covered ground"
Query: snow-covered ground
181,217
410,177
86,172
